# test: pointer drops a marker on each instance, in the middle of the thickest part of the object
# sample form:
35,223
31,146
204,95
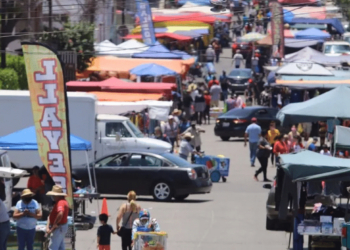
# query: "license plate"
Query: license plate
225,124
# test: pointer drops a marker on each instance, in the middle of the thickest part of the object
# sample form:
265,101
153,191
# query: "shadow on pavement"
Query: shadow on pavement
153,200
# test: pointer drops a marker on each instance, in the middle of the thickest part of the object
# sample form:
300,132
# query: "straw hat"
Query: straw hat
27,192
56,191
188,135
177,111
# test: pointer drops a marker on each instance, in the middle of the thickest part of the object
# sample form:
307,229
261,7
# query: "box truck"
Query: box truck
84,121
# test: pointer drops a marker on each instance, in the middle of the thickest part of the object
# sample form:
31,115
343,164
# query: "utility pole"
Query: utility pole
50,15
3,9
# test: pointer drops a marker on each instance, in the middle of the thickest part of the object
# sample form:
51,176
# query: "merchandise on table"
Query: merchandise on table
150,241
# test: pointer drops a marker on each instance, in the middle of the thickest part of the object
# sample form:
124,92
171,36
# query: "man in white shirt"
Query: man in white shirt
325,150
215,92
210,54
252,13
237,59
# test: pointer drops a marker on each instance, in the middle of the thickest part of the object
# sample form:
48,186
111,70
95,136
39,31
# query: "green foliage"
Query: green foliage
74,37
8,79
17,63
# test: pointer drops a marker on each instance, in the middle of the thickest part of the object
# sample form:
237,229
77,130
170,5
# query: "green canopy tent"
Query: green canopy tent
300,166
332,104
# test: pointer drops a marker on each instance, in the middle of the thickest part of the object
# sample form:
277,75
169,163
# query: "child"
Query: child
104,233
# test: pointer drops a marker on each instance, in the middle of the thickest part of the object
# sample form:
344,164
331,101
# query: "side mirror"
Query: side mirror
267,186
118,136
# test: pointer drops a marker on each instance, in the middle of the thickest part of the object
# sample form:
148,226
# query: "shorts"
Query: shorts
214,103
104,247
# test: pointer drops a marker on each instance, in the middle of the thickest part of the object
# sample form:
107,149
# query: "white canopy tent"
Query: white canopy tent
304,68
190,7
303,54
126,49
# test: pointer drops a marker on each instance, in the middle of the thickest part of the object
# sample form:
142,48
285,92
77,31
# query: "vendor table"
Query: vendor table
325,237
81,199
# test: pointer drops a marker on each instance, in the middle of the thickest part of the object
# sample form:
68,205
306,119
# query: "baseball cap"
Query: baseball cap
253,119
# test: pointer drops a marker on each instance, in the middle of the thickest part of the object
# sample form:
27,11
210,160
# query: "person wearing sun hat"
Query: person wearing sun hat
26,213
186,147
57,225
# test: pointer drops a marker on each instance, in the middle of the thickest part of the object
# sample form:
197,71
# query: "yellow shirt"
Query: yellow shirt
272,135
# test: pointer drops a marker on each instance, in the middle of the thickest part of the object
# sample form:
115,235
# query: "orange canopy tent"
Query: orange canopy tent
161,35
125,97
122,66
116,85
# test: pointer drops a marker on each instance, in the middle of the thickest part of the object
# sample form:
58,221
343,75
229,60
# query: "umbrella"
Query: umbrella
252,37
151,69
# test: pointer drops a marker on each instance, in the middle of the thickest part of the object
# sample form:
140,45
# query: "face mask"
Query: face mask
188,139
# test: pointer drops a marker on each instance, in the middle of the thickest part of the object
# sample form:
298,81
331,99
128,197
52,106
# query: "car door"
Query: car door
109,173
141,172
111,145
264,117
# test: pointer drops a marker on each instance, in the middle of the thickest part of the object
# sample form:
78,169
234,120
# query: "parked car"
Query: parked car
234,122
163,175
238,79
336,48
273,223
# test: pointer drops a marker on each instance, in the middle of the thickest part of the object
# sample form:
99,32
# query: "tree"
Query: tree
74,37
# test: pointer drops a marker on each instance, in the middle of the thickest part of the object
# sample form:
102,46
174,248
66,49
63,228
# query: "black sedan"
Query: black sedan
163,176
238,79
234,122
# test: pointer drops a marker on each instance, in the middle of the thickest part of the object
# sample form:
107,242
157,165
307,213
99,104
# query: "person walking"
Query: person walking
57,225
196,142
36,184
215,92
224,85
4,218
252,132
207,99
280,147
171,129
104,233
128,212
199,107
160,136
263,153
272,133
217,49
237,59
210,54
26,213
187,102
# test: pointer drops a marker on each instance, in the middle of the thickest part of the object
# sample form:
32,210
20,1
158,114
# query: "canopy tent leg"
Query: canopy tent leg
90,179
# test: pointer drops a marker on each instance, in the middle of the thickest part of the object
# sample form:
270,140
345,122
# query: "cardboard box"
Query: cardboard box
325,219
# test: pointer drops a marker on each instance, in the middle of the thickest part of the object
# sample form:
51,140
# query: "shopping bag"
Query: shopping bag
300,128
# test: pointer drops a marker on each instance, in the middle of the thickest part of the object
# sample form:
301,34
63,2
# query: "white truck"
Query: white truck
85,122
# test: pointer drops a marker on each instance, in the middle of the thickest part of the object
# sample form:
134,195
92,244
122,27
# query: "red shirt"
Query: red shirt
34,182
280,147
61,205
212,82
207,99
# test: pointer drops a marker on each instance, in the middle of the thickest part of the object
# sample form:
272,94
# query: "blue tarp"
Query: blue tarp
157,51
151,69
312,33
332,21
182,53
25,139
287,15
198,2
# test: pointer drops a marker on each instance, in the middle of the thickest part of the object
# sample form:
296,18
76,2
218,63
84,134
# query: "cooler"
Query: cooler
150,241
218,166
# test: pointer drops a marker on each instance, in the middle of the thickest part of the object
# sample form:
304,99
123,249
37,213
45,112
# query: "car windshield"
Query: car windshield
176,160
239,112
240,73
134,129
337,48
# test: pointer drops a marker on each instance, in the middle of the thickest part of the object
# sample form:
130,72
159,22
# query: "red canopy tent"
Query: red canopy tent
116,85
162,35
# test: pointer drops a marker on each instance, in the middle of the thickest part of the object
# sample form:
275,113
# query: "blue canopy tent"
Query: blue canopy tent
182,53
152,69
25,139
312,33
287,15
157,51
332,21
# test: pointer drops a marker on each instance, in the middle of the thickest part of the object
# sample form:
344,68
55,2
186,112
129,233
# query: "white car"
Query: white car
336,48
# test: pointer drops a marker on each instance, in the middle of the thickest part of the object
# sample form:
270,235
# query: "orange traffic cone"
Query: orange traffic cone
104,209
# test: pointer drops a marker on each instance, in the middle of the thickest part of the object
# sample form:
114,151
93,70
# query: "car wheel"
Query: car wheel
181,197
225,138
162,191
